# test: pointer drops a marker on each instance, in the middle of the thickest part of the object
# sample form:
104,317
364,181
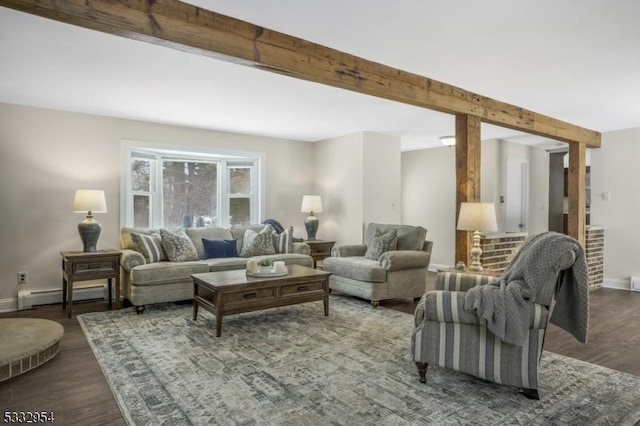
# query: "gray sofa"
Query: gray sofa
398,273
164,281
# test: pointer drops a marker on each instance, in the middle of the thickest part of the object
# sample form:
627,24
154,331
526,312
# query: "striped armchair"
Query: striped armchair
452,337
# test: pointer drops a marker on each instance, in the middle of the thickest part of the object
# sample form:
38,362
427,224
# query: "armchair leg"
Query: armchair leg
530,393
422,371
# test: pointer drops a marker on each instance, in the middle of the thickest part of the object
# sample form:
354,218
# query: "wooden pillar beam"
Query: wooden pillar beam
577,194
467,174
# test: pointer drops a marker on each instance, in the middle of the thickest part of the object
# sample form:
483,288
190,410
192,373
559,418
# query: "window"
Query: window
173,188
240,193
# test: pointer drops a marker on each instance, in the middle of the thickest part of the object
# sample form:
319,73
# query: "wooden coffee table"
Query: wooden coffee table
233,292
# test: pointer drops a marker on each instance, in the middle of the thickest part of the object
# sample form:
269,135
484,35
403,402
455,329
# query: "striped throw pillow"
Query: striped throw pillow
150,246
283,243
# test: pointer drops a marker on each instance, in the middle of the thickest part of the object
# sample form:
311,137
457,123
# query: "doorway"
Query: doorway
516,195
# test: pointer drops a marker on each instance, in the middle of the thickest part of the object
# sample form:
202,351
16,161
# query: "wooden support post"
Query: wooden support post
577,194
467,174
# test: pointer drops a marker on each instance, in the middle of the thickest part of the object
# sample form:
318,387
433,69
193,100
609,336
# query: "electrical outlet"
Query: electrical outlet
22,277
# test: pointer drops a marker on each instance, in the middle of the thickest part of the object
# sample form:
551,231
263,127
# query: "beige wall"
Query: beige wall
538,190
429,190
613,171
382,179
46,155
359,179
338,179
429,198
428,184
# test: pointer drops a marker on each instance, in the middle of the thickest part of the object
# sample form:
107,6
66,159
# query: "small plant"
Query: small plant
266,262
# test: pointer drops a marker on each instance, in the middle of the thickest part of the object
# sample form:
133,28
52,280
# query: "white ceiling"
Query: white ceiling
576,61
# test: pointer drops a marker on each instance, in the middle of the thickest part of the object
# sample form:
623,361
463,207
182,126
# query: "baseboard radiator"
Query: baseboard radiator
30,298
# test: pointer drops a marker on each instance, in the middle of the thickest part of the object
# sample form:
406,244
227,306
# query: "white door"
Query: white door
516,195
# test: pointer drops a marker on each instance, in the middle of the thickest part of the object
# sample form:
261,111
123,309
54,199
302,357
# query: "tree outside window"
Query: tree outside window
189,193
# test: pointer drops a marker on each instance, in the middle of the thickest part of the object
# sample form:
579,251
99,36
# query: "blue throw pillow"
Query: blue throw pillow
219,248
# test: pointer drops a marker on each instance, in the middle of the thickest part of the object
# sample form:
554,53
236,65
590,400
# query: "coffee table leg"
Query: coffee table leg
195,303
218,324
195,310
110,297
327,292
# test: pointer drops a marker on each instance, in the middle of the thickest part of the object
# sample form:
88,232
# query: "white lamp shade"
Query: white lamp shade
477,217
311,203
89,200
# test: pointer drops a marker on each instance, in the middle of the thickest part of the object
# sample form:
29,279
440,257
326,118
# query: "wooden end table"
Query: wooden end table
232,292
83,266
320,250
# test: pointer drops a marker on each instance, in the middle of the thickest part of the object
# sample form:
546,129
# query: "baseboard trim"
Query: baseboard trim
616,283
9,304
28,299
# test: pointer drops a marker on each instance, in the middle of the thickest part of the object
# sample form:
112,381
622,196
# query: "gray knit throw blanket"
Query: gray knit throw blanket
506,304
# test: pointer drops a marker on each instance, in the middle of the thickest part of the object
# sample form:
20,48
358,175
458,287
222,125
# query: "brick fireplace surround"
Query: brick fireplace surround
499,248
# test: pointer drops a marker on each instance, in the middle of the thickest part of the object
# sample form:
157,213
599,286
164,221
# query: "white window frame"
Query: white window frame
252,196
159,152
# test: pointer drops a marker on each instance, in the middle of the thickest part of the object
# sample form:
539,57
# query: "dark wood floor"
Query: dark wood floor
73,387
614,334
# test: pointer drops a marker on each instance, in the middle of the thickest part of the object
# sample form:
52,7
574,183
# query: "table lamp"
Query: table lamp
477,217
89,201
311,204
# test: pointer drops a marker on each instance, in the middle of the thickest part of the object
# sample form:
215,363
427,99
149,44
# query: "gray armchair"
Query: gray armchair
399,272
494,328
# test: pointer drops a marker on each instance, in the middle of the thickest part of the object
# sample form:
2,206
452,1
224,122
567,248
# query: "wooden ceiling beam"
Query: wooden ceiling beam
189,28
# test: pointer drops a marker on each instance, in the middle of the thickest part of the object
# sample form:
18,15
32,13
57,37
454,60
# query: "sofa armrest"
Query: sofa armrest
399,260
448,307
461,281
418,314
349,250
301,248
131,259
443,306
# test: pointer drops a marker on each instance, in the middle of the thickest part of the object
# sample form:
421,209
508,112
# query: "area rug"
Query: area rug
294,366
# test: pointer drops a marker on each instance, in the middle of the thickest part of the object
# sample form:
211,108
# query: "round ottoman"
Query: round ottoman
26,343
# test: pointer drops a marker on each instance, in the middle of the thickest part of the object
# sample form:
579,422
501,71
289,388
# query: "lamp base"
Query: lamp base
89,230
476,252
311,224
473,268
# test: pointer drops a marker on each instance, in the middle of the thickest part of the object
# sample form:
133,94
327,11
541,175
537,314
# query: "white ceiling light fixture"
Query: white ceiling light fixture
448,140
